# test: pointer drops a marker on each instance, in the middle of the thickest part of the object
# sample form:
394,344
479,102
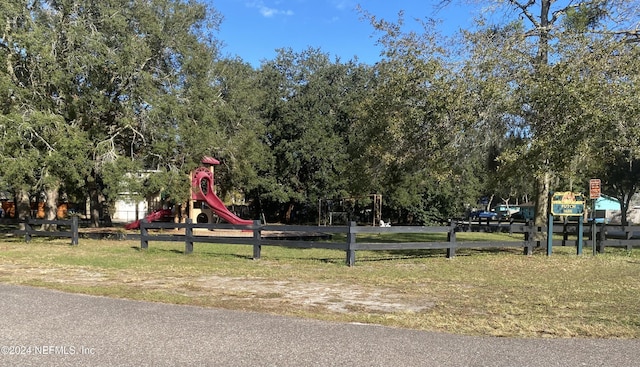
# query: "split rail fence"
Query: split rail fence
606,235
30,229
294,236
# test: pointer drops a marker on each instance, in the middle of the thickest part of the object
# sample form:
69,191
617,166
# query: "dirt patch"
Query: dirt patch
336,298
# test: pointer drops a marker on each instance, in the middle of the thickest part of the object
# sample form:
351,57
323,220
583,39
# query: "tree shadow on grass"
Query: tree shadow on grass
420,254
437,253
157,250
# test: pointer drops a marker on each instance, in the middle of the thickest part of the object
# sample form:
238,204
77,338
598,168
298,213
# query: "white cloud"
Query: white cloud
267,11
344,4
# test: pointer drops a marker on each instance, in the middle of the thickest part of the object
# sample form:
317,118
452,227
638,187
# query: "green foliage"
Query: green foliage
173,186
552,105
308,112
104,98
97,90
416,142
615,150
584,16
244,157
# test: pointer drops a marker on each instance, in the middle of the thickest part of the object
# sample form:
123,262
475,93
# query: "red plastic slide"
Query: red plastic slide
157,215
221,210
203,191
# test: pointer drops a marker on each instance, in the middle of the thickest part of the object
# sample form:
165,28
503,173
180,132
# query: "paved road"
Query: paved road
50,328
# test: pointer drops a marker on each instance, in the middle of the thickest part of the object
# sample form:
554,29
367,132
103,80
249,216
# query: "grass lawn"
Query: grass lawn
489,292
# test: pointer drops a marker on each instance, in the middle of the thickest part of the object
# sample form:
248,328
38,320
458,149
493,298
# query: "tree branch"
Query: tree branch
524,7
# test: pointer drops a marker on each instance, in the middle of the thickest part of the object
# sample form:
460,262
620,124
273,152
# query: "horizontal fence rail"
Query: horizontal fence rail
617,236
30,231
599,235
293,237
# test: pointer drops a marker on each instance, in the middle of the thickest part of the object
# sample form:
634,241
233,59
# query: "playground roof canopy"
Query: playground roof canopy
210,160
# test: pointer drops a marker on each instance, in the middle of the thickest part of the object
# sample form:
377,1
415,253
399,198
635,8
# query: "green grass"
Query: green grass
479,292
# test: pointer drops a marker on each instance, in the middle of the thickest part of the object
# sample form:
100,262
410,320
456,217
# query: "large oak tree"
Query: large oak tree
98,89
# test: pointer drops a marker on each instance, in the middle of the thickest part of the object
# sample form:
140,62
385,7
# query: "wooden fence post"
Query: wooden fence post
528,238
451,237
602,238
565,234
257,236
580,236
188,236
144,234
351,244
74,231
593,236
27,231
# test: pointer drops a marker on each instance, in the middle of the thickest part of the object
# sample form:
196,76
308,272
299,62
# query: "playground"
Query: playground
408,280
203,205
428,278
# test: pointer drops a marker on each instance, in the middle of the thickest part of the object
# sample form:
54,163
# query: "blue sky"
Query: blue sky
254,29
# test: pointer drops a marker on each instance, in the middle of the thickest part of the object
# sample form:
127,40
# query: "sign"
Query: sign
567,203
594,188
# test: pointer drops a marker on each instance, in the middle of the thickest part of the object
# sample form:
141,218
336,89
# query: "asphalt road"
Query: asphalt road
48,328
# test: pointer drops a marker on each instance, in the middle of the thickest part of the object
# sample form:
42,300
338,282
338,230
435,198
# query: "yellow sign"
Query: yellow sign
567,203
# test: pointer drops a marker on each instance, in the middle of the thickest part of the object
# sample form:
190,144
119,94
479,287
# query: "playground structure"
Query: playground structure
203,204
158,215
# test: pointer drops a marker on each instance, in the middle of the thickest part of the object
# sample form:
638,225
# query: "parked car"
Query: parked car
598,220
483,214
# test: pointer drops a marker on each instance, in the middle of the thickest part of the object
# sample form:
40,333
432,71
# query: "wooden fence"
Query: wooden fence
606,235
293,236
30,230
596,235
600,236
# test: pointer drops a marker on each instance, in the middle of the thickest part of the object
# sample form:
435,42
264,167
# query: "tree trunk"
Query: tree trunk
543,41
624,207
544,183
51,206
106,214
180,213
22,207
289,213
94,208
94,202
489,203
542,203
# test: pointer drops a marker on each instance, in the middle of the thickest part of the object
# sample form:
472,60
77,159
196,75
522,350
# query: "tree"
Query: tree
542,82
123,80
39,152
246,162
616,146
307,110
490,60
621,179
416,141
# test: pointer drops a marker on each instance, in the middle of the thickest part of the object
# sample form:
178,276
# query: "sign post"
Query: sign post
594,194
568,204
594,188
